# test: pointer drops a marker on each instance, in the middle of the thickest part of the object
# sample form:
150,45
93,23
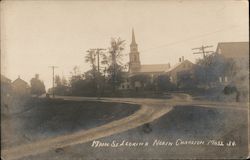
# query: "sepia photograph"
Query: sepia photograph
124,80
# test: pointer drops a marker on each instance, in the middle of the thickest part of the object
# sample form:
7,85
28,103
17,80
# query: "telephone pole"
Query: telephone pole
98,57
53,79
98,69
97,52
202,50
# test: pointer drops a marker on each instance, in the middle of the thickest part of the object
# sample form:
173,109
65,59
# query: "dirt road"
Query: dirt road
144,115
150,110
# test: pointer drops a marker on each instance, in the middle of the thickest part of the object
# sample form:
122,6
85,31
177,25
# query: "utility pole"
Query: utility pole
98,57
98,69
53,79
97,52
202,50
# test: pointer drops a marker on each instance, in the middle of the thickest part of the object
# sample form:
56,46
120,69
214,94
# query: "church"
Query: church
135,66
152,70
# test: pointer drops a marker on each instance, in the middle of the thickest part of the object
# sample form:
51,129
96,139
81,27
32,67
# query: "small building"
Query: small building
20,87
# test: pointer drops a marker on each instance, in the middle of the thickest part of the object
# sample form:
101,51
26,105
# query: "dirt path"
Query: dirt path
150,110
144,115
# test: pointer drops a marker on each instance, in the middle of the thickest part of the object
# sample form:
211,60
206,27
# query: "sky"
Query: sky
39,34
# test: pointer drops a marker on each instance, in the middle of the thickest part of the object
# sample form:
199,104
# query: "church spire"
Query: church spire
134,56
133,37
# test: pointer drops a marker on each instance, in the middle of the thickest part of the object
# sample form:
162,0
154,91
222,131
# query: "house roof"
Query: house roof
177,65
233,49
19,80
154,68
5,79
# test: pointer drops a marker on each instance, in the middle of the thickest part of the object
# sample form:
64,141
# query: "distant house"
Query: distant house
5,86
238,52
233,49
181,67
20,87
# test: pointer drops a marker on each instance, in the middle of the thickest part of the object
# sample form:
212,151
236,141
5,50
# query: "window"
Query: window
171,79
225,79
220,79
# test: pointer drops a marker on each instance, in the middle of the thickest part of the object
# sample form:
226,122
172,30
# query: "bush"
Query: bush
229,90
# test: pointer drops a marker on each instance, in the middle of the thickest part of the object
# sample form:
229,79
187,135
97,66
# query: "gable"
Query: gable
19,82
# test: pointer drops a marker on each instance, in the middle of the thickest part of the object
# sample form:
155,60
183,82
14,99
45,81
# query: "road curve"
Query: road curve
144,115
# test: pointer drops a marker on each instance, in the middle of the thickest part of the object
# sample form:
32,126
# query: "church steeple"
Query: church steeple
134,56
133,37
133,45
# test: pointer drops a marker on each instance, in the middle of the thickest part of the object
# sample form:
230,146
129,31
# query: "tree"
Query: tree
58,81
141,81
37,86
61,87
75,81
76,71
216,65
91,59
164,84
238,71
186,81
213,66
114,62
64,81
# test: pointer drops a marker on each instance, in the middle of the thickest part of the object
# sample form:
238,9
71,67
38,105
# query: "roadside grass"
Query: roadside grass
41,118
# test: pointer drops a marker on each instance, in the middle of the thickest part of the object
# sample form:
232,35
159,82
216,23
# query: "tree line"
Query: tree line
107,73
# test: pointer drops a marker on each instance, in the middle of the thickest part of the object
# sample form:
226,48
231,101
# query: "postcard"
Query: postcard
108,80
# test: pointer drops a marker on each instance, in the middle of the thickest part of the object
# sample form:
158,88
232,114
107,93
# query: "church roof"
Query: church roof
154,68
233,49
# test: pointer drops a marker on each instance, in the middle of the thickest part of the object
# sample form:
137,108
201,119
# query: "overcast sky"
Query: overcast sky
38,34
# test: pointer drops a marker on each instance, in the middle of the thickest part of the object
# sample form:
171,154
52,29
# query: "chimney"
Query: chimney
182,58
179,59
